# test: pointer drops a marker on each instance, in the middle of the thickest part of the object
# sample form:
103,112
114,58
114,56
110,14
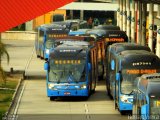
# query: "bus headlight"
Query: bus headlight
126,99
83,86
47,51
50,86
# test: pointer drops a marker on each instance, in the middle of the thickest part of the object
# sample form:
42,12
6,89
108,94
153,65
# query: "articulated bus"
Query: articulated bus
71,70
128,65
99,34
52,43
112,53
146,100
46,33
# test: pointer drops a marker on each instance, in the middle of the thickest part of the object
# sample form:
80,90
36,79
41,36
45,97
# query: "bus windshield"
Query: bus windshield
67,71
127,81
49,43
154,105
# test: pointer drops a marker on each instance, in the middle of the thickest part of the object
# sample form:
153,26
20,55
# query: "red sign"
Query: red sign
15,12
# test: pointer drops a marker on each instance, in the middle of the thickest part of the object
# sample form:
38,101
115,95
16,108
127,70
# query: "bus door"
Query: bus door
94,67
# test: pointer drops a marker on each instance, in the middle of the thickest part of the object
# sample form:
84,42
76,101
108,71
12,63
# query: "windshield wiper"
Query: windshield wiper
131,92
55,76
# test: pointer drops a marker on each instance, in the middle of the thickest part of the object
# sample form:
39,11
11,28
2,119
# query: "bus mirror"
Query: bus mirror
112,65
46,66
117,76
144,110
89,66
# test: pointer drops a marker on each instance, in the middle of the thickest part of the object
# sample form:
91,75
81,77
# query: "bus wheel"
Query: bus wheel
115,105
52,98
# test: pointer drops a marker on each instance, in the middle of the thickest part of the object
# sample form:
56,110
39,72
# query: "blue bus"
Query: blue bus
52,43
146,97
112,53
126,66
71,70
78,32
48,32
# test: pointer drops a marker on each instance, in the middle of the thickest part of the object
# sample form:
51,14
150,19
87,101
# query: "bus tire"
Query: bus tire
52,98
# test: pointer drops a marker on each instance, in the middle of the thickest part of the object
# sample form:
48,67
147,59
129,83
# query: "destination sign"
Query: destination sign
141,71
114,40
67,61
57,35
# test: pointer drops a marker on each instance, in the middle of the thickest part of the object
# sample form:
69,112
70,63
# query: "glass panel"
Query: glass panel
67,70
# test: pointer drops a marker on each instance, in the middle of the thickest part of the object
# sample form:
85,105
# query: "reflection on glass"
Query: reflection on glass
50,44
155,105
127,82
67,72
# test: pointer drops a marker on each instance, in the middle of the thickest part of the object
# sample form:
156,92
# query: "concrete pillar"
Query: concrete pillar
158,42
139,22
71,14
121,14
29,25
128,19
158,13
144,18
150,42
124,16
118,13
81,15
133,22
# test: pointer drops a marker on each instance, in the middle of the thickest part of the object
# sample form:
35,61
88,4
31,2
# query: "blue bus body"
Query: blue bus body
112,53
71,70
125,67
146,100
47,32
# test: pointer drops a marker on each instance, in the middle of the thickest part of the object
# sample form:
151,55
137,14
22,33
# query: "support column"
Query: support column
118,14
150,41
124,15
121,14
128,20
158,13
133,22
81,13
139,22
158,42
144,18
71,14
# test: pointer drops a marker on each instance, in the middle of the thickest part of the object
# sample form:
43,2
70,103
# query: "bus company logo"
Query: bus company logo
141,63
114,40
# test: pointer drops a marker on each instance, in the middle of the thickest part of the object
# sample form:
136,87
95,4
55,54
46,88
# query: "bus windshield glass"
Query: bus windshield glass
155,105
127,81
67,71
49,43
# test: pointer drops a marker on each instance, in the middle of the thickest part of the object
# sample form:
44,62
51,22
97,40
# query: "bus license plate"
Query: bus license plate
67,93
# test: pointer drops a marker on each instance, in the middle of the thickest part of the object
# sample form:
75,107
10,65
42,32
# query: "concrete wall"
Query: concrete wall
18,35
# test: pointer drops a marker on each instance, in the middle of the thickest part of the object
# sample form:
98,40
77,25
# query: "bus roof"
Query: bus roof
149,83
98,32
119,47
69,51
107,27
53,28
138,59
78,32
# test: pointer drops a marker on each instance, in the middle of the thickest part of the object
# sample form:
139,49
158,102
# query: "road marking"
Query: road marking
19,99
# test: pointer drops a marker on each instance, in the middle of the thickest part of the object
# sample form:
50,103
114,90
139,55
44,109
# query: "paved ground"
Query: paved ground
35,105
